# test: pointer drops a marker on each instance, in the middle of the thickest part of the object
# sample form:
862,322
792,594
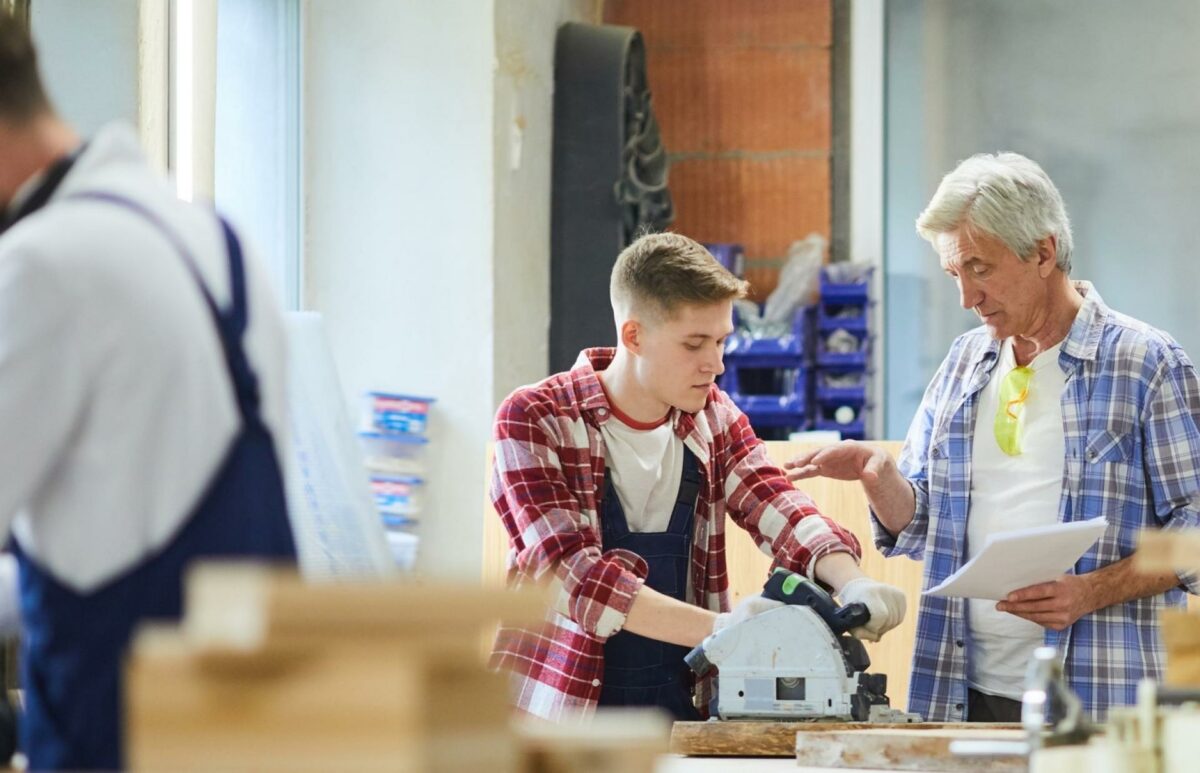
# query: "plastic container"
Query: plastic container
775,400
831,418
404,549
855,360
833,387
792,349
849,316
768,390
768,416
388,412
397,494
405,523
393,453
729,255
855,430
846,283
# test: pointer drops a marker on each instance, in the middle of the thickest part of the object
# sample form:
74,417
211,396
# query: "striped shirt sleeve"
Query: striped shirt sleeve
1172,443
783,521
549,533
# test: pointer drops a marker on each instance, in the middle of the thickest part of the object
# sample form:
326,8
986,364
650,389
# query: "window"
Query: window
257,143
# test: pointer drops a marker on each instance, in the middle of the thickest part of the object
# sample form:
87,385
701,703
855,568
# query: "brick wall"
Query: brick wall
742,92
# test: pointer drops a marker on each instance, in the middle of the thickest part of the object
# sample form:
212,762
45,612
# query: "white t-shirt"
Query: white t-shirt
1007,493
645,463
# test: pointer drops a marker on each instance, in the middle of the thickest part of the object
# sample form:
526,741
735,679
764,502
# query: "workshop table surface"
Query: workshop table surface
676,763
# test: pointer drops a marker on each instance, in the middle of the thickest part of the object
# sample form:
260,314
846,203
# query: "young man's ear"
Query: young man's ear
631,335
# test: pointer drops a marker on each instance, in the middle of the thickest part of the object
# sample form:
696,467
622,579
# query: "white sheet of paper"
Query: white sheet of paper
1017,559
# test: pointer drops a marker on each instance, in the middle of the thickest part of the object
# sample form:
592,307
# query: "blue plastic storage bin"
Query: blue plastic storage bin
796,422
775,390
775,400
844,394
855,430
791,350
856,360
835,291
851,430
848,316
729,255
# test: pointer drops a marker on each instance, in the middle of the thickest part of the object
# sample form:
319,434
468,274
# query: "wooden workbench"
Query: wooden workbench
676,764
673,763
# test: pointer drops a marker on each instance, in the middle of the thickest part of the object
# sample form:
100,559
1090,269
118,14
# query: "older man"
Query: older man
1056,409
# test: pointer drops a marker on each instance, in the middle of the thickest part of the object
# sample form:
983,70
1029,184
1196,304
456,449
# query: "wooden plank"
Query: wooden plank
1181,635
613,740
1169,551
269,673
905,749
232,607
734,739
1159,551
778,739
350,705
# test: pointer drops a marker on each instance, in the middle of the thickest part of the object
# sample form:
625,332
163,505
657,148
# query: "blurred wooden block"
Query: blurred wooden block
235,606
611,741
268,673
1181,635
905,749
1167,551
744,738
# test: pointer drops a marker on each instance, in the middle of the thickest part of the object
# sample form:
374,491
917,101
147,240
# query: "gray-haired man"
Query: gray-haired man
1056,409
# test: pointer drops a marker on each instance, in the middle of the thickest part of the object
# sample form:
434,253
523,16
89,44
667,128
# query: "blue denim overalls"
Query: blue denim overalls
75,643
639,671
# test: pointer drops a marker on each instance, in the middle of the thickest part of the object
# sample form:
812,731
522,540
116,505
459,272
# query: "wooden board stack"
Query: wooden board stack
269,673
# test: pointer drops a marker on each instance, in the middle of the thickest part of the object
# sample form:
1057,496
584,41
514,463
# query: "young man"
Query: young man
142,370
613,481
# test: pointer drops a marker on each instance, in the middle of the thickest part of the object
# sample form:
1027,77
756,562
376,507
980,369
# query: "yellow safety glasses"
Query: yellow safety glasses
1013,391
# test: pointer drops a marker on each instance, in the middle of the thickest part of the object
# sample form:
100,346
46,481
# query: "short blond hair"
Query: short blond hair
658,273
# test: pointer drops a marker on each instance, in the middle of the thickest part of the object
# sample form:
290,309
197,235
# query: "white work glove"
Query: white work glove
745,609
885,603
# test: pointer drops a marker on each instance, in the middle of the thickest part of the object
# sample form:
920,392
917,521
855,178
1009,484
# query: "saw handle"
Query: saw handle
698,661
791,588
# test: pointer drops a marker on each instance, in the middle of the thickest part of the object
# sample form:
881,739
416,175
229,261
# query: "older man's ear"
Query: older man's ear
1047,251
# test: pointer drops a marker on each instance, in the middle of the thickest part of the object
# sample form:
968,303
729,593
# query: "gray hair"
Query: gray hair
1005,195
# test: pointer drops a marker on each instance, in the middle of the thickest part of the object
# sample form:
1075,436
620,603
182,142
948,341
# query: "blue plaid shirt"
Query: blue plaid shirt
1131,406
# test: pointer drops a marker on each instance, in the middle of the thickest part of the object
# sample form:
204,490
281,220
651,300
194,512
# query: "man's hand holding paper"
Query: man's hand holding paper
1055,604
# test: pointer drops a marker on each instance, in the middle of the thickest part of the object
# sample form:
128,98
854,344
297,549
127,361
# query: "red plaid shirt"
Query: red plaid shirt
547,482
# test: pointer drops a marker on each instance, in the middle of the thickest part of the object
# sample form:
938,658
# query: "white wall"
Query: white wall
1101,94
427,176
523,98
398,168
88,56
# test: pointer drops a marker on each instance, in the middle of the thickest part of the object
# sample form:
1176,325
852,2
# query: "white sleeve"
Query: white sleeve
41,376
10,597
